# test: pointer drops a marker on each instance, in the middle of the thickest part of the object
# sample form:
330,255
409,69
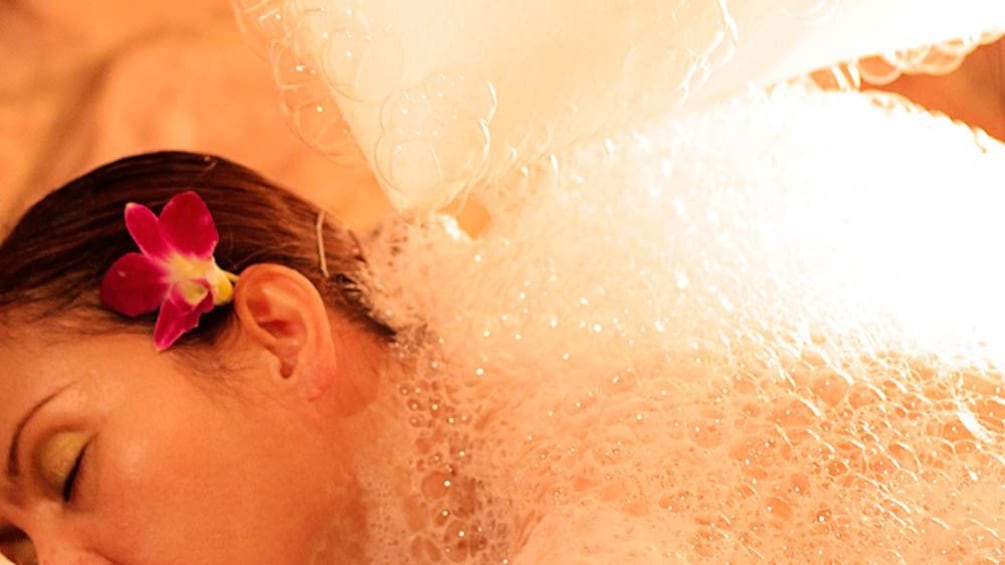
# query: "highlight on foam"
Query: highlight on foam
723,311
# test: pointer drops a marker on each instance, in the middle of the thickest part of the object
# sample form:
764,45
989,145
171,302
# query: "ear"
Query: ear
281,311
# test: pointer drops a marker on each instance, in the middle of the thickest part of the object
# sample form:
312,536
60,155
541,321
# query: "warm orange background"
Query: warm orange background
83,83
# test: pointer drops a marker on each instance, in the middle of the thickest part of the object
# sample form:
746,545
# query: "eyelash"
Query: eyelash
69,485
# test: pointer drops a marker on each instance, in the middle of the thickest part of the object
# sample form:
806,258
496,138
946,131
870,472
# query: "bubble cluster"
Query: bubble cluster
436,137
880,70
769,331
702,340
619,63
645,58
433,106
935,59
322,49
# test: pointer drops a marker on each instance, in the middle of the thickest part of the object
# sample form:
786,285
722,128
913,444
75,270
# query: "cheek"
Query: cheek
161,472
201,481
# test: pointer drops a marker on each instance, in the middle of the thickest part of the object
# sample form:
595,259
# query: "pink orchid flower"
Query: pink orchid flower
175,271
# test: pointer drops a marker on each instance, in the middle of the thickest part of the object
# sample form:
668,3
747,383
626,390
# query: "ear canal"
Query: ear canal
284,325
286,368
289,341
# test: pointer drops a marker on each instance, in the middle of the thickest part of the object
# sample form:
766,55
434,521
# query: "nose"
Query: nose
42,540
64,553
71,558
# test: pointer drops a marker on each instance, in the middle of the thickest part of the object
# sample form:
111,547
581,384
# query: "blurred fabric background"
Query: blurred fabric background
83,83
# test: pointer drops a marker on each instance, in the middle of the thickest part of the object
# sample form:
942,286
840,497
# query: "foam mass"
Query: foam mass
701,325
766,331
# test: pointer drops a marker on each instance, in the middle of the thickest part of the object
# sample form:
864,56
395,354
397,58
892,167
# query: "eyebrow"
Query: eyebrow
13,468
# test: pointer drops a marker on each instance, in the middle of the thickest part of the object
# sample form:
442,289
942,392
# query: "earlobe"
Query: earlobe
281,311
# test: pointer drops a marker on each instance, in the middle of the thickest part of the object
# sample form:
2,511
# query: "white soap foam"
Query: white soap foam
770,331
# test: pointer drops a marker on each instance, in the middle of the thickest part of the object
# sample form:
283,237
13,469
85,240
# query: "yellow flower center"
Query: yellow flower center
184,270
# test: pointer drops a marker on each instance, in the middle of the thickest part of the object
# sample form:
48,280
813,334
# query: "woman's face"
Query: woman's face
114,453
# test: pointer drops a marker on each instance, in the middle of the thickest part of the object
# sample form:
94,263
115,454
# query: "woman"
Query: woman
272,397
523,407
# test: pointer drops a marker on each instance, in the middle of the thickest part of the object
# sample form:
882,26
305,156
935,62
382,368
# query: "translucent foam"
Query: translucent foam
767,331
446,96
771,331
935,59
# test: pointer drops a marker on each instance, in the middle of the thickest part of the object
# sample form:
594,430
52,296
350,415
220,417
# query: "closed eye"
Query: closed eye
60,459
70,483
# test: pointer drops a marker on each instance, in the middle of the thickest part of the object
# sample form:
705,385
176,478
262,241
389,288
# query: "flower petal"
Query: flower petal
145,228
134,285
178,316
188,227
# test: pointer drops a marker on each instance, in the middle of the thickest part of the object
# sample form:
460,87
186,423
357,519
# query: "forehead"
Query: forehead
33,366
37,363
46,347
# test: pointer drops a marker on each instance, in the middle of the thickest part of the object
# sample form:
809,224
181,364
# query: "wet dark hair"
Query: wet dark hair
55,257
